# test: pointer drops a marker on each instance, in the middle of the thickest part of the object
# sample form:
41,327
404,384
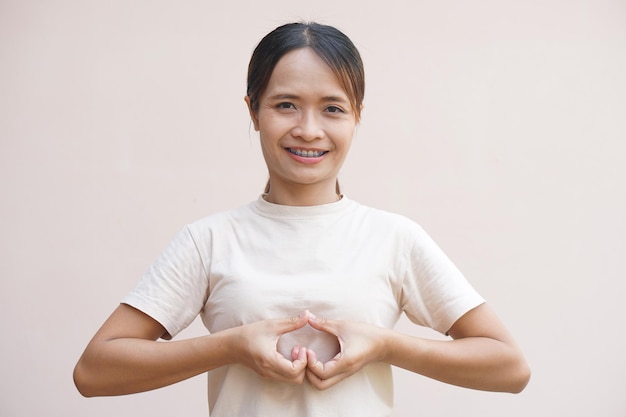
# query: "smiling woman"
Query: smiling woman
306,124
328,45
301,288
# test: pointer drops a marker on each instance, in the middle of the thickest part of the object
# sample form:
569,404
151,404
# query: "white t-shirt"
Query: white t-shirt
341,260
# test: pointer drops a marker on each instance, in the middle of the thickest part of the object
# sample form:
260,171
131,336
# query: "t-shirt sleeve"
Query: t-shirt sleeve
435,293
174,289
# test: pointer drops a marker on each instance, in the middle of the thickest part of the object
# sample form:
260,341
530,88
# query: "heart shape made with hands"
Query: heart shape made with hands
325,345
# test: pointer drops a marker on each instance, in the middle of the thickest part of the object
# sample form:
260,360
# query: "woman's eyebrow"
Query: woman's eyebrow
330,98
284,97
335,99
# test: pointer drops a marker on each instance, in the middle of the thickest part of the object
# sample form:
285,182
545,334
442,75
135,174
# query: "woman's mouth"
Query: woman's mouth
304,153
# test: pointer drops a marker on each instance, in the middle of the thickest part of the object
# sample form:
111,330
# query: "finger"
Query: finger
324,375
299,366
295,352
298,353
325,370
316,366
323,324
293,323
323,384
315,370
284,370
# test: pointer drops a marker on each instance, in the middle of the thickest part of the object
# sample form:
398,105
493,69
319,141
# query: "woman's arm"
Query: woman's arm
483,355
124,356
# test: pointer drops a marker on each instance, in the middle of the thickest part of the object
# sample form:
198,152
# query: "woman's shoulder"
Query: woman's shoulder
220,219
382,214
387,219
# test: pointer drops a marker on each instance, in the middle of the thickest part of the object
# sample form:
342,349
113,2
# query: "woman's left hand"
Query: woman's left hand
481,355
360,344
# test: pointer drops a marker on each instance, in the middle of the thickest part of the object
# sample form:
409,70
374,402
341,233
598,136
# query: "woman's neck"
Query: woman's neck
302,196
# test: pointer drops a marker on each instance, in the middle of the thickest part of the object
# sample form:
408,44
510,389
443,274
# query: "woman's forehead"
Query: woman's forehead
303,71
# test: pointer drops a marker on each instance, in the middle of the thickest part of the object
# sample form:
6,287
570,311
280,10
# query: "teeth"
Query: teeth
307,154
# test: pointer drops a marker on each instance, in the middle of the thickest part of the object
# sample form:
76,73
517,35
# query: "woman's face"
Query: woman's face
306,125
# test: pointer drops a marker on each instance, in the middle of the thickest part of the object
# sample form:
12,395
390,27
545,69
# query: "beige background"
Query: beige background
500,126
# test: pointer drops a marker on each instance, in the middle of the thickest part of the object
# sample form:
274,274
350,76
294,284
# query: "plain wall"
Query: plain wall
499,126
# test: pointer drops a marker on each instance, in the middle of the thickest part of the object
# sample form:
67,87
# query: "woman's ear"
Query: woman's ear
253,116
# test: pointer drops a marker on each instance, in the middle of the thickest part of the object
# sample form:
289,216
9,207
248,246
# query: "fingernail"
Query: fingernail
312,316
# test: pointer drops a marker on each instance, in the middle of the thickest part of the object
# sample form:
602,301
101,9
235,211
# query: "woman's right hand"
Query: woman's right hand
255,346
124,356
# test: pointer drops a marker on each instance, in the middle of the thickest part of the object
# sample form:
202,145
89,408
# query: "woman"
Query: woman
301,288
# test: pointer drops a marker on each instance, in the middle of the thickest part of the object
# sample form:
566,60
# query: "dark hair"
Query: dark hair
329,43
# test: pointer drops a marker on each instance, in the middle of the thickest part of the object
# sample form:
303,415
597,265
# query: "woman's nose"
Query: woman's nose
308,127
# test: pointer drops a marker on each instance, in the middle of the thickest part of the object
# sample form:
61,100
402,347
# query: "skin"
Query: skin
482,354
303,108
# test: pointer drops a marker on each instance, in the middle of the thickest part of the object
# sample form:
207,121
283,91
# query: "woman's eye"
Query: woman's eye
334,109
285,106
